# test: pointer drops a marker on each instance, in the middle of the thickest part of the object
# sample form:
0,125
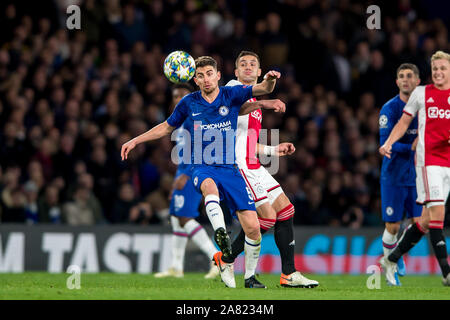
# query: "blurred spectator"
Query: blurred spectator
50,206
159,199
312,210
31,207
128,209
79,211
69,99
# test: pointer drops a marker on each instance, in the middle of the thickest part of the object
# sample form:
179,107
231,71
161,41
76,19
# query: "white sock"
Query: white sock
251,249
179,241
214,212
389,242
198,234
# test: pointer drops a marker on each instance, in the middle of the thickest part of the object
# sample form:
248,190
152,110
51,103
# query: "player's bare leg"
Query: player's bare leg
252,246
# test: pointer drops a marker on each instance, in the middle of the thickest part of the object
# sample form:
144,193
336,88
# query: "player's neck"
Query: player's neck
211,96
404,97
247,83
444,86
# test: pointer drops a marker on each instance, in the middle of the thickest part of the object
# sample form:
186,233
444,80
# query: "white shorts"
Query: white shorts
433,185
263,187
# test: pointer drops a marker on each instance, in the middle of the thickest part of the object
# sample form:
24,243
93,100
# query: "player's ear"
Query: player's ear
259,72
236,73
418,81
218,75
396,82
195,80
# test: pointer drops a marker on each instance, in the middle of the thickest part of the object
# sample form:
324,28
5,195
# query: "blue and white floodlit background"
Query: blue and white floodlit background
70,98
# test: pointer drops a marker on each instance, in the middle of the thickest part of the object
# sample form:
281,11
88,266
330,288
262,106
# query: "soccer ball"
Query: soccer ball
179,66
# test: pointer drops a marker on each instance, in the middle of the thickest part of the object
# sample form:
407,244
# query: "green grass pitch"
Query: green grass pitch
109,286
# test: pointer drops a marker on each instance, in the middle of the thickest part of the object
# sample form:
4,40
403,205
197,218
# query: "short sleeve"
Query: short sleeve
415,101
239,94
180,113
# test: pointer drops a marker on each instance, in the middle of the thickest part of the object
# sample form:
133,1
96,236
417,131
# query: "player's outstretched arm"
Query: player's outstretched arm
275,104
154,133
397,132
283,149
267,85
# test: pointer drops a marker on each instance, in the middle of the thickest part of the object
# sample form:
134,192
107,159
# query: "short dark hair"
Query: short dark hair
204,61
184,85
408,66
247,53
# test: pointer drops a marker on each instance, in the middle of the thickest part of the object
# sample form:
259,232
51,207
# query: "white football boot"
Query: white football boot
297,280
226,270
171,272
446,281
213,272
390,270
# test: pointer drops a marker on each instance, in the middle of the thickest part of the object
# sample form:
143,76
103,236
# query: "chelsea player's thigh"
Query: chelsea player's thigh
231,185
413,209
393,200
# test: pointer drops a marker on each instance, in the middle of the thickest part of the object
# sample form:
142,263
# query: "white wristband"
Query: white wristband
269,150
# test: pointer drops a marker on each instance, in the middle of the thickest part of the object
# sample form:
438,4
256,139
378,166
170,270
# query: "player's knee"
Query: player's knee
252,230
266,211
424,224
392,227
182,221
209,187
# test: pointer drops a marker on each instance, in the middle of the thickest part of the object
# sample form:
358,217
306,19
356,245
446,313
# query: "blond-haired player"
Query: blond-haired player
431,104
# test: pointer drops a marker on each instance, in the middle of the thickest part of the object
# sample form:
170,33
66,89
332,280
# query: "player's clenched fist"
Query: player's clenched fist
385,150
284,149
275,104
272,75
126,148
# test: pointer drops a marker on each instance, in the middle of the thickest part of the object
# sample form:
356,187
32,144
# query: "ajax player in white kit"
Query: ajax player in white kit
431,104
272,205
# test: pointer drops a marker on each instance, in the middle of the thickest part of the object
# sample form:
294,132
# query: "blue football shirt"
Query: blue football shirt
399,170
211,127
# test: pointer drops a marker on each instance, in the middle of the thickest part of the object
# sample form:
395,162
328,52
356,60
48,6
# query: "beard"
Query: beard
210,89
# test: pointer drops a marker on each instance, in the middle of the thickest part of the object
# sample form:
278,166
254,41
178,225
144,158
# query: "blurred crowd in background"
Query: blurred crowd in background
70,98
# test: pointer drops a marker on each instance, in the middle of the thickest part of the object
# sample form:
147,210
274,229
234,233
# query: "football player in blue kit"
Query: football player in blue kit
398,175
184,209
210,119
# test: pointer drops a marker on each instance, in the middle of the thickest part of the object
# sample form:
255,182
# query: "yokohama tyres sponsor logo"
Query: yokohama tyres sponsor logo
435,112
222,126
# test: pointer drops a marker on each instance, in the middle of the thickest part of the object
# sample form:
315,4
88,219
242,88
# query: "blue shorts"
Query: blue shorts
185,202
231,185
395,201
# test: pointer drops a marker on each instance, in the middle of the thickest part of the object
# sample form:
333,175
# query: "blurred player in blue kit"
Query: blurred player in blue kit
184,208
398,175
210,119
